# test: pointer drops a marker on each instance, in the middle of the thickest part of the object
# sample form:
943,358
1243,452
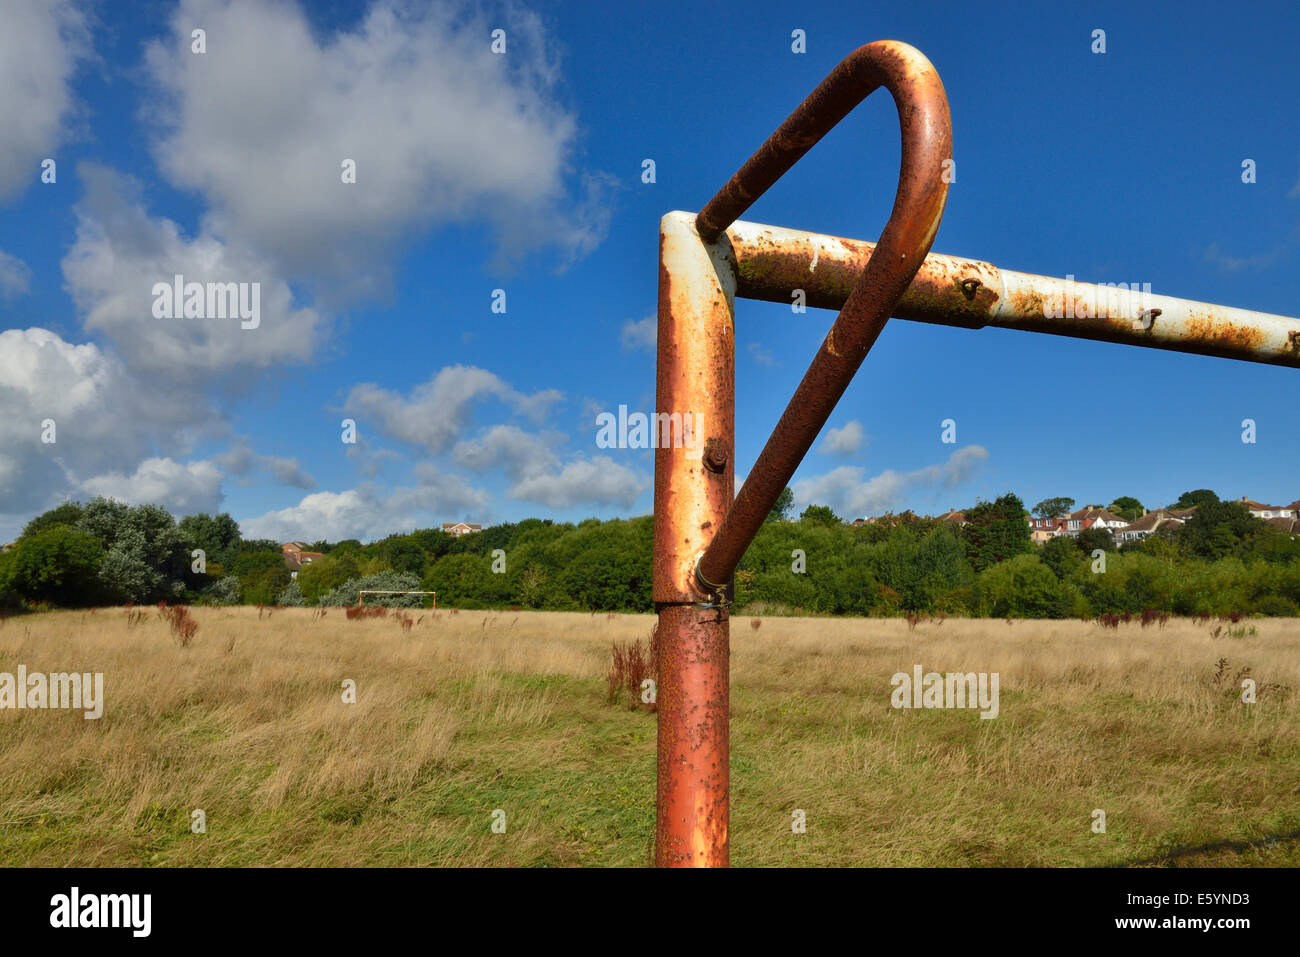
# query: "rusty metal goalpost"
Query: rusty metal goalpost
708,259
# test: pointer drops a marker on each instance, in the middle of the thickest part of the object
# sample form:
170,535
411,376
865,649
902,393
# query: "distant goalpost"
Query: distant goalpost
361,595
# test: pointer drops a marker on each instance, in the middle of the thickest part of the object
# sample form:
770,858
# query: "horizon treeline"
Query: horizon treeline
1221,561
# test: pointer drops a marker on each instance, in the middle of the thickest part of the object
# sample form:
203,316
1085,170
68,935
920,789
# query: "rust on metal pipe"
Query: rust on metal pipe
949,290
694,481
918,206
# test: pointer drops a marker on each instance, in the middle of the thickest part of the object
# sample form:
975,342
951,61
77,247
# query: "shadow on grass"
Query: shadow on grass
1269,841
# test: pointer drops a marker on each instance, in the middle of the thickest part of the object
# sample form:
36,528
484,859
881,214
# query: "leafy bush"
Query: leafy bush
225,591
1277,606
291,596
58,565
348,592
1023,587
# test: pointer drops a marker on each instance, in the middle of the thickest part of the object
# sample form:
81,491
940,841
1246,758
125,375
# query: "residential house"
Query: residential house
953,517
1086,518
458,529
1043,530
296,556
1260,510
1151,522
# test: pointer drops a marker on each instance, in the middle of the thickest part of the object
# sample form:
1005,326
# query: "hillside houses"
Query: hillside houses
457,529
1152,522
1043,530
296,555
1266,512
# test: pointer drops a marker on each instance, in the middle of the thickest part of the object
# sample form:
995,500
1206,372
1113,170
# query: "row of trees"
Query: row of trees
1222,560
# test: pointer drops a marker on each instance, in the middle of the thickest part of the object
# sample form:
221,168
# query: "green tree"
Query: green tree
1052,507
9,596
405,555
69,513
1061,555
1217,528
58,565
1091,539
262,575
326,573
996,531
146,554
820,515
1126,506
1198,497
783,507
1023,587
215,534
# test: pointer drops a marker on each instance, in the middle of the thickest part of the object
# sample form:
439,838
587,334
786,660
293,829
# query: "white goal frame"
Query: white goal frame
361,595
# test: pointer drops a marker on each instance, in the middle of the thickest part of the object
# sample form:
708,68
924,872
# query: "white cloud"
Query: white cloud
761,355
121,252
536,474
437,411
103,420
845,490
368,512
843,441
441,130
1224,262
181,488
15,277
641,333
241,460
40,46
509,448
596,481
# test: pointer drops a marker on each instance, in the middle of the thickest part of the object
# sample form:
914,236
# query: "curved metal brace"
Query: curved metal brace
918,206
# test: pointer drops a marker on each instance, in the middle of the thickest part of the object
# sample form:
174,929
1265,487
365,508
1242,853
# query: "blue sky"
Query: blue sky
522,172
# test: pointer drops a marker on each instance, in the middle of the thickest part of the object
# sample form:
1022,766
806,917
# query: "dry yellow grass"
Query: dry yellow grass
472,712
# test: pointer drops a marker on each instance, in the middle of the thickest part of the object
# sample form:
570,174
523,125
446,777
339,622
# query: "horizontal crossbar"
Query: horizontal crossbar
772,263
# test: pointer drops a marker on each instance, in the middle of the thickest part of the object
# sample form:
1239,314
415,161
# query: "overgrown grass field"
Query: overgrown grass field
460,714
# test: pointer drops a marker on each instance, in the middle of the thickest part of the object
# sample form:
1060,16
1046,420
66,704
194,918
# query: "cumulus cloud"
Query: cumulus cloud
509,448
441,130
437,411
243,461
121,252
641,333
843,441
15,277
102,420
596,481
181,488
537,474
40,46
846,491
369,512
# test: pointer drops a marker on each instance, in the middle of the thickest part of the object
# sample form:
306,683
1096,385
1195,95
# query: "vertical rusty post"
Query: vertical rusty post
694,484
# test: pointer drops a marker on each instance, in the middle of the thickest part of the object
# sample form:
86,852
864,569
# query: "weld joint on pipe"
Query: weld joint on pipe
710,589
